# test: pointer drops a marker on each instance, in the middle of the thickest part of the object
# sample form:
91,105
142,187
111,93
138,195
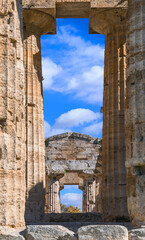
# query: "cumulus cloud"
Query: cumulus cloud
76,117
94,128
67,122
77,68
51,130
74,199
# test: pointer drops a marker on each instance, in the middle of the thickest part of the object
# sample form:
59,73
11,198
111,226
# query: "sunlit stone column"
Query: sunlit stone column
52,195
35,150
12,115
113,149
135,113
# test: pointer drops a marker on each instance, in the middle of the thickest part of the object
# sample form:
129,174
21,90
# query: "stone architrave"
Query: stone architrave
12,115
135,112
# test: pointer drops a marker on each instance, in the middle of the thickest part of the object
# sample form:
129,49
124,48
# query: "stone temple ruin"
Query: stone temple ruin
121,177
73,159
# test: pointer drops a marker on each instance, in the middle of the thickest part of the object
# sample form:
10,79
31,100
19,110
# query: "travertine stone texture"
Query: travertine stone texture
69,155
135,112
103,232
137,234
41,232
113,147
12,115
35,154
7,233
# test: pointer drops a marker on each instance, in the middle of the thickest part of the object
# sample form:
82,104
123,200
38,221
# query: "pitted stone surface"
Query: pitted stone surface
10,234
137,234
104,232
39,232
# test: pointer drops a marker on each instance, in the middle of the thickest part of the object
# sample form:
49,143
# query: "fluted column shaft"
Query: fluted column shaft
12,115
135,112
113,148
89,195
35,150
52,195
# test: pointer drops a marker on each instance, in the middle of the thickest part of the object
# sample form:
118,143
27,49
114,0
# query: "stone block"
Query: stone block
103,232
41,232
10,234
137,234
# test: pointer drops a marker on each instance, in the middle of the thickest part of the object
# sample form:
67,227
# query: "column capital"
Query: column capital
39,21
104,17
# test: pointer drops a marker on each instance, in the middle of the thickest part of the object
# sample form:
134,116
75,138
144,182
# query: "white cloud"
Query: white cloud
76,68
74,199
49,71
51,130
76,117
95,128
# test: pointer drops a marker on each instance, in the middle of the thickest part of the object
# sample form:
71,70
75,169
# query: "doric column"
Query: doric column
135,112
52,195
36,23
113,148
89,195
12,115
35,150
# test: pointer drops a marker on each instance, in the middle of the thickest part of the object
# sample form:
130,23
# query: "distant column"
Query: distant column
12,115
135,112
52,196
114,197
35,148
89,195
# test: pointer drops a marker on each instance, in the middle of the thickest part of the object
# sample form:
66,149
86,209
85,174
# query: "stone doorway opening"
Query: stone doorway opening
71,199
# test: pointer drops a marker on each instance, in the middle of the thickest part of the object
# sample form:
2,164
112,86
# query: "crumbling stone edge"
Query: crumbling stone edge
93,232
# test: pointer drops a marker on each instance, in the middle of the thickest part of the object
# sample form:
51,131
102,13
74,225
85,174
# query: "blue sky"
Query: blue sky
72,66
72,63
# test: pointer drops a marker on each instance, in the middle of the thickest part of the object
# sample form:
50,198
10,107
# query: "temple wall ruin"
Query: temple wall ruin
73,158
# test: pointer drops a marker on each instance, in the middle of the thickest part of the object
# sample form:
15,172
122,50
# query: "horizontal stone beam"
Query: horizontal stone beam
61,166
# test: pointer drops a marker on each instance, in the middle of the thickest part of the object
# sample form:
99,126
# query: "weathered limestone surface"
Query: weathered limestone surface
135,112
137,234
69,155
104,232
49,232
35,149
113,148
10,234
35,155
12,115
